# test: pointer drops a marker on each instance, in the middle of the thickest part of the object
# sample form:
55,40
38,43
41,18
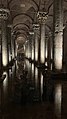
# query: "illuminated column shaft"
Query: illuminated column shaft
9,43
36,46
46,51
4,43
15,48
42,44
4,13
25,50
58,34
28,49
42,16
36,28
12,45
49,53
32,49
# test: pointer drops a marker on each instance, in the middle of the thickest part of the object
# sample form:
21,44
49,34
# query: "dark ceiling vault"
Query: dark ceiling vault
24,14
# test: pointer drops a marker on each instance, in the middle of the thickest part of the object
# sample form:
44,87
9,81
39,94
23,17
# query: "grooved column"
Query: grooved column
58,34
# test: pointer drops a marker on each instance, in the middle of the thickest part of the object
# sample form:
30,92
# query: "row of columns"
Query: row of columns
41,47
7,39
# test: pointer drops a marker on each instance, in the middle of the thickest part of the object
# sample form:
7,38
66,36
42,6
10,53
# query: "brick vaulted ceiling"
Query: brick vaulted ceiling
23,15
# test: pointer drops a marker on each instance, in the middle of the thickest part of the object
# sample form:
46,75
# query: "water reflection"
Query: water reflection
5,82
36,77
5,89
32,71
41,84
58,99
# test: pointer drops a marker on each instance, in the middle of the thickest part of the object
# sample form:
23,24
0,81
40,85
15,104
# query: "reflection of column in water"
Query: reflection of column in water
36,77
13,77
10,83
32,71
58,97
41,85
5,89
29,70
16,64
26,64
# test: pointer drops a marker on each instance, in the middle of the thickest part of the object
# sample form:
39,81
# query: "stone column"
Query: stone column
13,45
16,47
42,16
36,28
3,18
33,49
58,34
31,33
46,51
9,42
28,48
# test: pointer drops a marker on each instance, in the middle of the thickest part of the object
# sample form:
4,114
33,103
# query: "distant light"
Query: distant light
22,5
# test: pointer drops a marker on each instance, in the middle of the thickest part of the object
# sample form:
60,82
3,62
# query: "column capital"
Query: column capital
42,16
4,13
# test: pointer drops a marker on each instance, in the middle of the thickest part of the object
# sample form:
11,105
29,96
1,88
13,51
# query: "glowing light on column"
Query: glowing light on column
16,48
32,71
32,53
42,53
4,57
46,46
4,45
46,51
9,54
58,99
36,48
29,52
